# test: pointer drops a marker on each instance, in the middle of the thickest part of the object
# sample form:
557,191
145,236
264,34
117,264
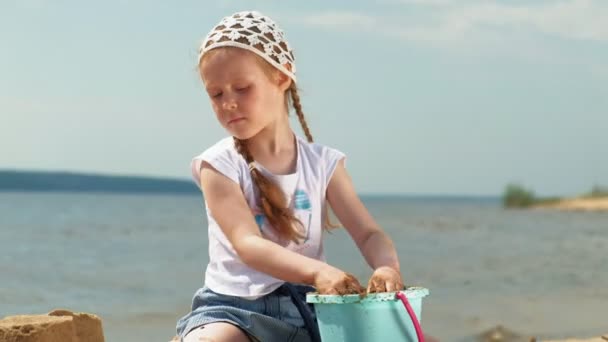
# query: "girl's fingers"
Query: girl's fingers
332,291
369,287
372,286
351,287
393,286
389,286
356,288
352,284
345,287
381,285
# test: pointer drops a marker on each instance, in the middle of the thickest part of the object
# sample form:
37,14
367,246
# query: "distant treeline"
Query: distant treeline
517,196
77,182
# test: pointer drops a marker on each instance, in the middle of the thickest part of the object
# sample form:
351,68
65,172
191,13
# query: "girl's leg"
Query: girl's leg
217,332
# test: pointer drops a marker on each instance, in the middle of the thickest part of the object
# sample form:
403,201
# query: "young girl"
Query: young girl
266,192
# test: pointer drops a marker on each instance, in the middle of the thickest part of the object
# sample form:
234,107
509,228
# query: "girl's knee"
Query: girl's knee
217,332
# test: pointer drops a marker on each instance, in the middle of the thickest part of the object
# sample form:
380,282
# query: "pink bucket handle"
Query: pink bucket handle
412,314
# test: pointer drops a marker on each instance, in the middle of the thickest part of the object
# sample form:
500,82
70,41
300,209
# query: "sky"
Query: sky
434,97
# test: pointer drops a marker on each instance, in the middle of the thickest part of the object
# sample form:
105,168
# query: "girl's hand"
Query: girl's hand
385,279
333,281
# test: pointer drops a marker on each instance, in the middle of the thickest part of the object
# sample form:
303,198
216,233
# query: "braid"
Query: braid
272,199
297,105
242,149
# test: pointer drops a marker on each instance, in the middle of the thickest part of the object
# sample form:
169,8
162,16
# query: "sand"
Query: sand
56,326
502,334
578,204
593,339
67,326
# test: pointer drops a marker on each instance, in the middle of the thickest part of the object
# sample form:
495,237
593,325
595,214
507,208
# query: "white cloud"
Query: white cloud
421,2
341,21
468,20
573,19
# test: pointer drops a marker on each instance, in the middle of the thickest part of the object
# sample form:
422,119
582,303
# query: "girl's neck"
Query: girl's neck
274,139
275,147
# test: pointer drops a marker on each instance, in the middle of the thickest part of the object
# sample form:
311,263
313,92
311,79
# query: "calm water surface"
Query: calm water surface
136,260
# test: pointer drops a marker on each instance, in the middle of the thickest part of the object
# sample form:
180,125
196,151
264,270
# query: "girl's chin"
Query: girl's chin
241,134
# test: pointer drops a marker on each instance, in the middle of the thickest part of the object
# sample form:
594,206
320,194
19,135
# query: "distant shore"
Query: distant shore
19,180
517,196
576,204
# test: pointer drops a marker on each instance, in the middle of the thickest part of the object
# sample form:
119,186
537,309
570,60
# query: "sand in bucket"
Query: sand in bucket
375,317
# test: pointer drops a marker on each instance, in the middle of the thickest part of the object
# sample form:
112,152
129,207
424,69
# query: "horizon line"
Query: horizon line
187,180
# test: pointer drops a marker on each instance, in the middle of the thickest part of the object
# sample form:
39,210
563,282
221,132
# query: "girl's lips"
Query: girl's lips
235,120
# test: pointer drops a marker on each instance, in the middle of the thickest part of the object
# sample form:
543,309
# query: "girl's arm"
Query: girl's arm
375,245
232,213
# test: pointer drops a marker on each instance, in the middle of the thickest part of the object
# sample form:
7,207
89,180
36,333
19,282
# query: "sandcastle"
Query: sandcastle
56,326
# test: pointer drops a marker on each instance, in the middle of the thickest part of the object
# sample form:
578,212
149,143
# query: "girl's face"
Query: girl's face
244,98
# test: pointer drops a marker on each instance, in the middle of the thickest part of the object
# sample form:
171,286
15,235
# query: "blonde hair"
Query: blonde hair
272,198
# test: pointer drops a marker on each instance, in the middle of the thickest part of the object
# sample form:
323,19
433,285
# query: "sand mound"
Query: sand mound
57,326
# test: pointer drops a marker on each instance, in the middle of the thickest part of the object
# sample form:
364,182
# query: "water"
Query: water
136,260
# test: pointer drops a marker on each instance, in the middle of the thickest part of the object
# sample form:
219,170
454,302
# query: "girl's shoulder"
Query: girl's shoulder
319,151
224,147
320,160
223,157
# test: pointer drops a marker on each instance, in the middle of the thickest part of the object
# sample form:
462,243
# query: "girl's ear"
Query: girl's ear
284,81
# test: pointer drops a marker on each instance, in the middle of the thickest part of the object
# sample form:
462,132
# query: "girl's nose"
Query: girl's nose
229,104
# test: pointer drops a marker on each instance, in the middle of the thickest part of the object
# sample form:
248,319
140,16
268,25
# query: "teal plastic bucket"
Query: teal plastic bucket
375,317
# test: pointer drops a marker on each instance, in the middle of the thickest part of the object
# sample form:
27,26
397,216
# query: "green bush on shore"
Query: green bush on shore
516,196
597,191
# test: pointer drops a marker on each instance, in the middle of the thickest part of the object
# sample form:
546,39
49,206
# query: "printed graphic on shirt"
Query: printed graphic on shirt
259,219
302,203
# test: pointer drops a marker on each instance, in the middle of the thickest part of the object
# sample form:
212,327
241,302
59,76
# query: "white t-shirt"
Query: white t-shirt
305,190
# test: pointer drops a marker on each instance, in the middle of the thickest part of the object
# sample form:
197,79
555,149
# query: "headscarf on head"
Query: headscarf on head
250,30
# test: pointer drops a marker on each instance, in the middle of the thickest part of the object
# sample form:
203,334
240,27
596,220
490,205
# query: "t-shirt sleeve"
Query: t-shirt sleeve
332,158
223,161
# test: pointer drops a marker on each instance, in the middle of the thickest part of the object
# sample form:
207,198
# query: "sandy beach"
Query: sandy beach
577,204
67,326
502,334
603,338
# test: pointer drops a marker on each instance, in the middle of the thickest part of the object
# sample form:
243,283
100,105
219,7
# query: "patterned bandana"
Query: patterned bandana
255,32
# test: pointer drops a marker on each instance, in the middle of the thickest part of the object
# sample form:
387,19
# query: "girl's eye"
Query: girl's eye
242,89
216,95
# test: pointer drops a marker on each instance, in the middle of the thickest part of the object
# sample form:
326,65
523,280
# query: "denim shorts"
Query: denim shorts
271,318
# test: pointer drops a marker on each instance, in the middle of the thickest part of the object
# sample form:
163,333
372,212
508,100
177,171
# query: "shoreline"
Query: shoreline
585,204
